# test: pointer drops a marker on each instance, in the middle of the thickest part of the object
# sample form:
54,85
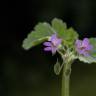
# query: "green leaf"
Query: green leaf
41,32
88,59
59,26
93,42
57,68
68,35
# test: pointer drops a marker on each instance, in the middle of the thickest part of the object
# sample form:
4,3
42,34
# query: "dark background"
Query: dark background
30,73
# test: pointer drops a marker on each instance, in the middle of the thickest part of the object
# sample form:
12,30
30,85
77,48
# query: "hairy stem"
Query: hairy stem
66,79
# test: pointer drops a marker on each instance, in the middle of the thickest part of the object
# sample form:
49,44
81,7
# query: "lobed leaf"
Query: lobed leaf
71,36
41,33
88,59
59,26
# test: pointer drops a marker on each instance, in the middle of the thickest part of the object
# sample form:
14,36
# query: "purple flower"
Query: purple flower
83,47
52,44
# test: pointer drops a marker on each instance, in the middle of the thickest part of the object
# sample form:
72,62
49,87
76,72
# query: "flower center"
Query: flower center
82,47
54,43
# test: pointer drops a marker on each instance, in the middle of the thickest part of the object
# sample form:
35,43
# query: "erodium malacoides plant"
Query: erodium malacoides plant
56,37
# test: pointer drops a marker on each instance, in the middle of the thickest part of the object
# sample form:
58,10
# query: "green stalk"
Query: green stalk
66,79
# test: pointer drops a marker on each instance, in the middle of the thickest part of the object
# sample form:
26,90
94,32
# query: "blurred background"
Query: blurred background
30,73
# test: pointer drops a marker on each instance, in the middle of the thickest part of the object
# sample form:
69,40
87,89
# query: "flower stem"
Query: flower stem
66,79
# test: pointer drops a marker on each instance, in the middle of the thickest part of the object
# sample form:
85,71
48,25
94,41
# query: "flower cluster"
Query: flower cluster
83,47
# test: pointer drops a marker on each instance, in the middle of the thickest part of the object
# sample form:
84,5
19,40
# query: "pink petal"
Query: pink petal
81,51
54,49
58,42
85,42
48,49
86,54
47,44
89,47
53,37
78,43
